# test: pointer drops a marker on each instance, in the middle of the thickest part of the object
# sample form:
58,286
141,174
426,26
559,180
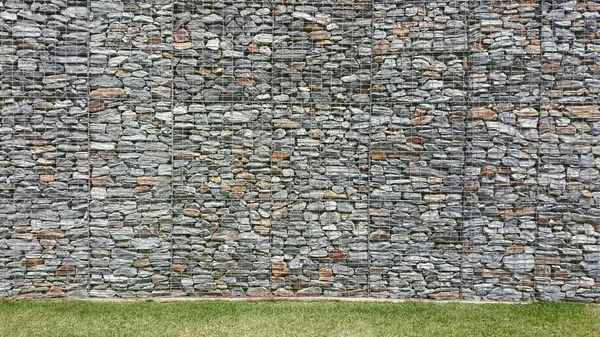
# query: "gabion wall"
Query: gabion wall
432,149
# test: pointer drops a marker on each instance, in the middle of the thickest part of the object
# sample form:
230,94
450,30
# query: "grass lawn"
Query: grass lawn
80,318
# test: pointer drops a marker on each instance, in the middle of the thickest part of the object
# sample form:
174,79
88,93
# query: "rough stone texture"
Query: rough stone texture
130,248
44,148
44,48
499,226
445,149
130,149
567,259
322,52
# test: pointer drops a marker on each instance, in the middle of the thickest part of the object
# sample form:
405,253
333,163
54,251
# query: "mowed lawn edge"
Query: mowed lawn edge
86,318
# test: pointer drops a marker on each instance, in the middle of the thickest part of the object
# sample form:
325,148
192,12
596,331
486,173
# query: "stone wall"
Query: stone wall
430,149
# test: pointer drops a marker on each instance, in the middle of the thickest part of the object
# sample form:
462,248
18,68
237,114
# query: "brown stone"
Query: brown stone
337,254
153,180
285,124
550,68
515,250
141,263
381,46
179,268
422,120
592,5
566,130
279,269
65,271
224,235
43,149
586,193
216,180
401,31
108,93
244,175
542,271
51,234
532,49
506,213
191,212
141,189
562,273
244,82
207,73
586,111
46,177
471,186
328,194
326,275
481,113
380,235
238,189
527,210
280,155
100,181
546,259
435,197
54,291
378,155
526,283
204,189
181,35
32,262
122,73
432,74
95,107
182,46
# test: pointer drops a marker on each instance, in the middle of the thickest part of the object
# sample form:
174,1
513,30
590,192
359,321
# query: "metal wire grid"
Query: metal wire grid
500,205
222,148
130,152
566,255
43,54
509,85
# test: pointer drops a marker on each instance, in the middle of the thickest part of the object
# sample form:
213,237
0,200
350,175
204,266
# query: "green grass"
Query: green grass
80,318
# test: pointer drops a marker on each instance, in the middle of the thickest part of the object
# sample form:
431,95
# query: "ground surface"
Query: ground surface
78,318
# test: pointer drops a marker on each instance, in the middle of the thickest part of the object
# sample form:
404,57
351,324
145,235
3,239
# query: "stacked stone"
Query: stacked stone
222,188
418,25
320,152
319,194
131,120
130,245
417,137
222,148
221,248
130,49
44,148
501,153
43,48
321,52
45,173
319,248
222,151
223,50
44,248
130,149
441,149
321,80
568,254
